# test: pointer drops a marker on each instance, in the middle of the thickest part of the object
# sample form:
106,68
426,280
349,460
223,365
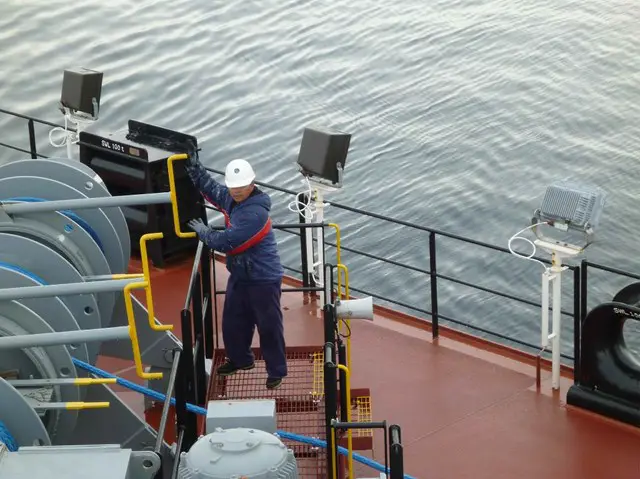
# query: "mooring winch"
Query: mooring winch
64,292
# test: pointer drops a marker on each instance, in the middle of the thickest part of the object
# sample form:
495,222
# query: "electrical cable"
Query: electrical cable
294,206
310,208
526,240
203,412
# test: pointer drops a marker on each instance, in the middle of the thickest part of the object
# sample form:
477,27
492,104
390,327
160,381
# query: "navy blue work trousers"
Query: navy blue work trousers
247,306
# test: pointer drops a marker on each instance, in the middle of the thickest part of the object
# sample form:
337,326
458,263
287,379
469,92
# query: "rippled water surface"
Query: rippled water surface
461,113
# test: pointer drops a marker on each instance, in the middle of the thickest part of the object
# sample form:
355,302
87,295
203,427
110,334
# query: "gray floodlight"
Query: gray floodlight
570,207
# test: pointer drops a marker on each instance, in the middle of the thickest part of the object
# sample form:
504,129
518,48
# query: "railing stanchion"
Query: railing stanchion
181,394
191,426
32,140
582,311
330,397
396,458
214,297
205,271
306,248
200,377
434,285
175,365
330,376
342,359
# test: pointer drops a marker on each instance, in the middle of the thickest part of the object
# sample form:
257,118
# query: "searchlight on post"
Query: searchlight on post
569,214
321,161
79,103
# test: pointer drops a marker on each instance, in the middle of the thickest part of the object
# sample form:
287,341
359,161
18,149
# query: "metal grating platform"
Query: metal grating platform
299,408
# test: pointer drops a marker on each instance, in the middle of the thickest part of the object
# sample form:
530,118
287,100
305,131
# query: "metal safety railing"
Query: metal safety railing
433,275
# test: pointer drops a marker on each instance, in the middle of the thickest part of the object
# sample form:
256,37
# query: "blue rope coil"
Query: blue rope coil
203,412
7,438
69,214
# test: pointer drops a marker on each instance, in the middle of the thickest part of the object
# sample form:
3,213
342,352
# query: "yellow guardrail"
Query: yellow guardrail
133,332
127,276
147,280
92,381
347,375
86,405
128,303
337,228
345,270
174,199
342,269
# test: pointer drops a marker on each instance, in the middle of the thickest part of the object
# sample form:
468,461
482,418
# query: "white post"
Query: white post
308,233
319,200
70,142
555,343
553,275
544,330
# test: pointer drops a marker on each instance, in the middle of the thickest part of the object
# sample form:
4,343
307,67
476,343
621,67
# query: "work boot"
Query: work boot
274,383
228,368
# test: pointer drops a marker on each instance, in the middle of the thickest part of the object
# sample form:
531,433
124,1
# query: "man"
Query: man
255,280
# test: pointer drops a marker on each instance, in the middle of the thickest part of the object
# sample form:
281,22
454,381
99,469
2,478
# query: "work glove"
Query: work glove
198,226
192,151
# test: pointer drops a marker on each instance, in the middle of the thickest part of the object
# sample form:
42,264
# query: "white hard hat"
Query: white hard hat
238,174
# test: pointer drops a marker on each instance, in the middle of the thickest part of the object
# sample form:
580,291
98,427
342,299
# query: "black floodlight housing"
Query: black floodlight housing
81,90
570,208
323,155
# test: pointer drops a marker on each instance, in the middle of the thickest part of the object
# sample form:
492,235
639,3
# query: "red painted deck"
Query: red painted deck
466,408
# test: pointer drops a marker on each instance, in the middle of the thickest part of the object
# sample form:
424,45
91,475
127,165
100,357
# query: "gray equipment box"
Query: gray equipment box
250,413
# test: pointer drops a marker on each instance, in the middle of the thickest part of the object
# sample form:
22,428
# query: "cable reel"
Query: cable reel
53,248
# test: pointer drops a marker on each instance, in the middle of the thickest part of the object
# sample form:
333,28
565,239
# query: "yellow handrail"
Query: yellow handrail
92,381
147,280
174,199
347,375
337,228
86,405
343,268
133,332
127,276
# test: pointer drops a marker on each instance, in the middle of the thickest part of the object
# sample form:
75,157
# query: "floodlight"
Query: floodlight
81,90
570,207
79,103
321,160
323,155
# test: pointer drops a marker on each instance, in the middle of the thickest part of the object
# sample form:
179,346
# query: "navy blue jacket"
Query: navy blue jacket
261,262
